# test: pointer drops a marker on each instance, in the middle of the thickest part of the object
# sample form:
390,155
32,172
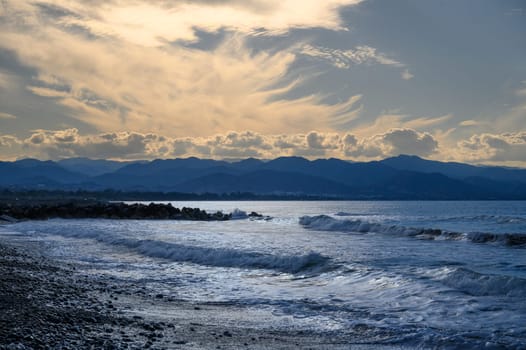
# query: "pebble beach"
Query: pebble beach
46,304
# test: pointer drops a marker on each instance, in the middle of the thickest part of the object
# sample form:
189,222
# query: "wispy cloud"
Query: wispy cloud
153,23
4,115
112,82
346,58
394,120
469,122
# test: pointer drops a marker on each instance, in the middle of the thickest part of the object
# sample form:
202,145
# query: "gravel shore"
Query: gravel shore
46,304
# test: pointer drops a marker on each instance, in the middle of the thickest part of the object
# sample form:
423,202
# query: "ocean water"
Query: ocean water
419,274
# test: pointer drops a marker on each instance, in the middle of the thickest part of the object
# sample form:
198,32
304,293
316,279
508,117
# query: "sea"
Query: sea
422,274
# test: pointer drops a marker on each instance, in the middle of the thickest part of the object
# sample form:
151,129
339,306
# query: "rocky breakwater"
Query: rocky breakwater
152,211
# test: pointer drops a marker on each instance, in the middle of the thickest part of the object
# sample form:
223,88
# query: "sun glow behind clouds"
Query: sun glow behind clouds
129,74
178,78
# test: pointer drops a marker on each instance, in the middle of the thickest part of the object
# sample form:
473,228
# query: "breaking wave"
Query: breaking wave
477,284
226,257
310,262
499,219
328,223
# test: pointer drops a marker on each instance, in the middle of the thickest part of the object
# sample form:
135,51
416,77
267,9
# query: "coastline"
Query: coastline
52,304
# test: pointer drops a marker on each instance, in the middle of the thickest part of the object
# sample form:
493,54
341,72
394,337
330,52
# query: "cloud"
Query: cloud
347,58
189,147
408,141
4,115
469,122
513,118
494,148
393,120
316,140
521,92
36,139
238,144
406,75
361,148
245,139
486,148
153,23
9,141
112,84
5,79
392,143
57,144
48,92
68,135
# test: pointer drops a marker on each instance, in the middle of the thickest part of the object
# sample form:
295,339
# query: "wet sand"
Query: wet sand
48,304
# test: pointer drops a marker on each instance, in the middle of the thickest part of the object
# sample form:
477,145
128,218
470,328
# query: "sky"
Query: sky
352,79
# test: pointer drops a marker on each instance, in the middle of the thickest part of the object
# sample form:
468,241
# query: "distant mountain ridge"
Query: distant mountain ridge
402,177
455,170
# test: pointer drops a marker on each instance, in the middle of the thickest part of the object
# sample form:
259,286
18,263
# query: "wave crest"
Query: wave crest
478,284
498,219
226,257
311,262
328,223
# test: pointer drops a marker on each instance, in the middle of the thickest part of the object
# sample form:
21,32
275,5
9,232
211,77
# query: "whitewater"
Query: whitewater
411,274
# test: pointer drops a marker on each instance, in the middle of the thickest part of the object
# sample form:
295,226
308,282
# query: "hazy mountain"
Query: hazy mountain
266,182
455,170
248,164
155,178
159,165
91,167
402,177
36,173
415,185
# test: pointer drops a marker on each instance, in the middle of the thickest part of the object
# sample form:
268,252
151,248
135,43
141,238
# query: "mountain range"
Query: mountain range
401,177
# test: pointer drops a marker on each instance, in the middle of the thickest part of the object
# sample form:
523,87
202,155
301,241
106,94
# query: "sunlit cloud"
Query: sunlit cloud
181,91
227,79
394,120
504,149
58,144
494,148
155,23
4,115
391,143
469,122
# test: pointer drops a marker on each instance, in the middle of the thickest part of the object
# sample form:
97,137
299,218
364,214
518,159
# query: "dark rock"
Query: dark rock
152,211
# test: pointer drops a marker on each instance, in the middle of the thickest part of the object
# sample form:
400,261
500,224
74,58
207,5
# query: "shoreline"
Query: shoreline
52,304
